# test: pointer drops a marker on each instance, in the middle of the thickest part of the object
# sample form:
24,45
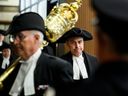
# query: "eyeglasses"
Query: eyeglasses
19,36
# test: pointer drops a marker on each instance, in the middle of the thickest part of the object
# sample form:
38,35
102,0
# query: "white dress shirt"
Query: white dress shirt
5,63
1,43
79,68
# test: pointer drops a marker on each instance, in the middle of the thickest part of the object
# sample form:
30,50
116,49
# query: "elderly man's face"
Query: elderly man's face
25,44
76,45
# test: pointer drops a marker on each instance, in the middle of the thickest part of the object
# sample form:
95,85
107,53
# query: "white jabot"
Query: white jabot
5,63
79,68
25,77
1,43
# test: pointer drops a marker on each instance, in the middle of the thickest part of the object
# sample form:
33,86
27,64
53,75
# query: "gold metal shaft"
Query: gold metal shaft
8,71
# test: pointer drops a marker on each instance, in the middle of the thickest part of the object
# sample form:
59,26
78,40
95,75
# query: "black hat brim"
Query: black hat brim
26,21
75,32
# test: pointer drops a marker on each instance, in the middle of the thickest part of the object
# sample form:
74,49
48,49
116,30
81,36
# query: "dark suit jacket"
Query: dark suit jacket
91,64
51,71
111,79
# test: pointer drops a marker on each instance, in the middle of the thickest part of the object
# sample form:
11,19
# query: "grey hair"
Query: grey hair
40,34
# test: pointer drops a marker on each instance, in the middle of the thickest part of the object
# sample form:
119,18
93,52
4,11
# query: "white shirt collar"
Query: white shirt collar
1,43
78,56
28,79
5,62
79,68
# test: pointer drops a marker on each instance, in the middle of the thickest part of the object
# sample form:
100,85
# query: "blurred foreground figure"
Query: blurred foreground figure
111,79
37,70
6,58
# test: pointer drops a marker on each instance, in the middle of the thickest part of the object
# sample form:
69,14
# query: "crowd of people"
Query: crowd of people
75,73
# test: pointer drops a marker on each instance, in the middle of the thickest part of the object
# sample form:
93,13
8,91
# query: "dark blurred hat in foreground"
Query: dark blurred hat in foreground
26,21
112,16
75,32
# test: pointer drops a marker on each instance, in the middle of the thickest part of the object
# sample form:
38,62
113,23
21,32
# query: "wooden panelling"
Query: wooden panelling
85,21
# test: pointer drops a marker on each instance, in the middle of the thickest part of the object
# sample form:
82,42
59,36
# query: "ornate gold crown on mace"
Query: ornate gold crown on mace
61,19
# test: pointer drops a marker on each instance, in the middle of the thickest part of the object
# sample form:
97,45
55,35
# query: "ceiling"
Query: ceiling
8,8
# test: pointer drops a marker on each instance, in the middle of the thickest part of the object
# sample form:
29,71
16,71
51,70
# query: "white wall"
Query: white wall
9,2
7,16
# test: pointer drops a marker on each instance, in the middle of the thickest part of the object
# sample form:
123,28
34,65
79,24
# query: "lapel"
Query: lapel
40,68
92,63
87,62
42,77
68,57
41,73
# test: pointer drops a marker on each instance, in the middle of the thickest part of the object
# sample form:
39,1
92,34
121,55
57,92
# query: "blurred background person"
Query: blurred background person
83,64
6,59
111,78
2,42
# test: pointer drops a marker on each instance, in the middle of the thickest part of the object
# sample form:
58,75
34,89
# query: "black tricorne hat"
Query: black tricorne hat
6,46
26,21
3,32
75,32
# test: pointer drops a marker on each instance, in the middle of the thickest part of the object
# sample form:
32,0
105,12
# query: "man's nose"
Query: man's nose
77,44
